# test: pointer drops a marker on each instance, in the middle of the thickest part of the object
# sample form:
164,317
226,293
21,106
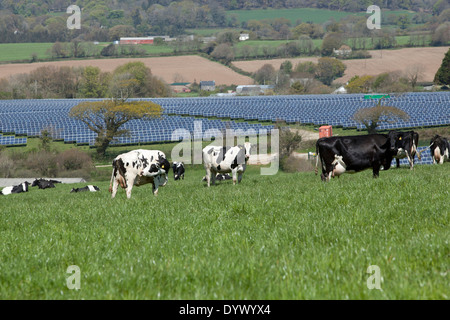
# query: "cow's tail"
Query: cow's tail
316,170
112,176
419,153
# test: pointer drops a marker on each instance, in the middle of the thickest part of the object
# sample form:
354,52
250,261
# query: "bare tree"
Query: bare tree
371,117
413,73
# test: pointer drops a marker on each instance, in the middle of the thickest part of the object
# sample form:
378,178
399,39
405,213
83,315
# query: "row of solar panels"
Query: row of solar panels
29,117
141,131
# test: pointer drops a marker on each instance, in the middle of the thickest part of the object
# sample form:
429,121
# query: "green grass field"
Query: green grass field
23,51
288,236
305,14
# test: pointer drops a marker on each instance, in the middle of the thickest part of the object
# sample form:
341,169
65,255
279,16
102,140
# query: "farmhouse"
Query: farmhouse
244,36
343,51
208,85
253,89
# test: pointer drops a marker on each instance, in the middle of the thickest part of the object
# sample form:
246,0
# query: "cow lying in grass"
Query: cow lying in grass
44,184
23,187
85,189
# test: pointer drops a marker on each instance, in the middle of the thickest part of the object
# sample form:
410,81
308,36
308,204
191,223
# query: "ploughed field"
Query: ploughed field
287,236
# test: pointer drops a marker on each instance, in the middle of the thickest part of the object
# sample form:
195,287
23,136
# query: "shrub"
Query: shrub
293,164
7,166
74,159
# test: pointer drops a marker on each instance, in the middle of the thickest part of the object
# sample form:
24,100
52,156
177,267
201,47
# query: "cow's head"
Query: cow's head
248,146
164,164
395,141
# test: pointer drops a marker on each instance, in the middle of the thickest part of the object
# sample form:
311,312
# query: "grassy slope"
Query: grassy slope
287,236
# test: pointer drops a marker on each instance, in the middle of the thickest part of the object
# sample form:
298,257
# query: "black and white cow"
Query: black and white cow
139,167
406,144
440,149
217,159
353,154
89,188
23,187
178,170
44,184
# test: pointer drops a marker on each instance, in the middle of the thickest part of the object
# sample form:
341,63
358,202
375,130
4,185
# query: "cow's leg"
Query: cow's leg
410,160
240,176
376,170
130,183
208,176
213,177
398,162
234,174
115,186
155,188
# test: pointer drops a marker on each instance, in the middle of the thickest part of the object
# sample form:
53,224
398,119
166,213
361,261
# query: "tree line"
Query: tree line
131,80
108,20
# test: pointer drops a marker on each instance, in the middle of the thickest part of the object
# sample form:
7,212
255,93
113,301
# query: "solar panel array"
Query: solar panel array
425,109
26,118
29,117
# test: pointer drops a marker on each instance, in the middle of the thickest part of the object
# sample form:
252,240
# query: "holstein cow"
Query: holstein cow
353,154
217,159
139,167
44,184
178,170
440,149
87,188
406,144
23,187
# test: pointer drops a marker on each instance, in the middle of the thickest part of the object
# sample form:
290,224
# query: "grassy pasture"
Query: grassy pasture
305,14
287,236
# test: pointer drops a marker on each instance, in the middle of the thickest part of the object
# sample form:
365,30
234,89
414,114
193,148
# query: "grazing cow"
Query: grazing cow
44,184
139,167
178,170
406,144
23,187
440,149
87,188
217,159
353,154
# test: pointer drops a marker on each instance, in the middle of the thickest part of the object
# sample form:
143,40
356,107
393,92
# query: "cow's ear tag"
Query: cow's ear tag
400,138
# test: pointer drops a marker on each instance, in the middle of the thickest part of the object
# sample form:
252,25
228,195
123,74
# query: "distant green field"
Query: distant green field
23,51
288,236
303,14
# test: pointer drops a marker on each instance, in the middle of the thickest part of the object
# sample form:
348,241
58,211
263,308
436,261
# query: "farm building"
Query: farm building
244,36
208,85
343,51
252,90
141,40
180,87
